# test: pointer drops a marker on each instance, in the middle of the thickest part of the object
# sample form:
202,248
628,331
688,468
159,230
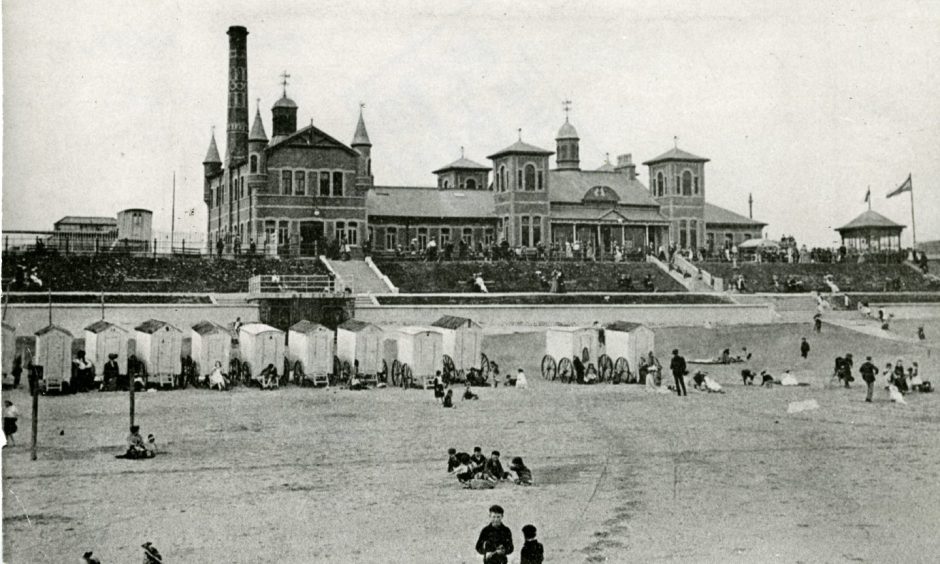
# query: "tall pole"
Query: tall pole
102,305
173,213
35,422
130,388
913,225
50,306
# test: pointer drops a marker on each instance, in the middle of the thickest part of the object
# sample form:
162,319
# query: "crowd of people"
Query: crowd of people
477,471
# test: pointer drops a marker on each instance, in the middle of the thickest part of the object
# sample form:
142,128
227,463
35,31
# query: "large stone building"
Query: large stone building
300,188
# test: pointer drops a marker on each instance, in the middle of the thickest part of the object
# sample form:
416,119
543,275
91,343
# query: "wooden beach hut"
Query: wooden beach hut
421,353
627,341
102,339
211,343
363,342
54,355
462,341
261,345
311,351
159,346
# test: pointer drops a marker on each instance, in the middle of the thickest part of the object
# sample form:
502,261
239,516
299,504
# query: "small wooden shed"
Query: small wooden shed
462,340
9,348
362,341
54,355
311,345
159,346
422,349
631,341
261,345
211,343
569,342
103,338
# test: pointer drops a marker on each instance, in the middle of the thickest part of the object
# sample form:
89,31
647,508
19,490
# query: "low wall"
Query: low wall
548,315
909,311
29,318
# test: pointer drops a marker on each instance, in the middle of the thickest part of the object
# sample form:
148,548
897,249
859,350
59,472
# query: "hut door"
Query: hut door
322,356
424,360
58,358
268,352
163,362
214,348
370,353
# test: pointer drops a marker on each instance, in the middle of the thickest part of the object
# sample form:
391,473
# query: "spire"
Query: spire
362,136
212,155
257,130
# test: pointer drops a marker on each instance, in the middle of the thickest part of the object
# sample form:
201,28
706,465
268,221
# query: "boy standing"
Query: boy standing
868,371
804,348
532,551
495,541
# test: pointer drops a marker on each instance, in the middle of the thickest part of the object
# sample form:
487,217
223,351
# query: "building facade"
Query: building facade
300,189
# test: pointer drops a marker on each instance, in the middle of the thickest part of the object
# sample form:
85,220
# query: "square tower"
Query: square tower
677,182
520,180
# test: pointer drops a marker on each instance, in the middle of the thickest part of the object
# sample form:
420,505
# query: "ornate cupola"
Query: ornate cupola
284,114
567,156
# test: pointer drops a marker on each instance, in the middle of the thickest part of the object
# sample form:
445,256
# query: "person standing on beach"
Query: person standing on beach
10,415
495,541
804,348
868,371
678,372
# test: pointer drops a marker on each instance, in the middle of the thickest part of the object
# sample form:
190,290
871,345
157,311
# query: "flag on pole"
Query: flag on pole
868,195
905,187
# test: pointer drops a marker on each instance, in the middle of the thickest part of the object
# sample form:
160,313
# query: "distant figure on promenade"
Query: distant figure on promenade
804,348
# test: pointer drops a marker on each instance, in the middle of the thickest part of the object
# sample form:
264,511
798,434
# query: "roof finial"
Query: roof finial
258,103
362,106
284,77
607,158
461,151
520,134
213,130
566,104
675,141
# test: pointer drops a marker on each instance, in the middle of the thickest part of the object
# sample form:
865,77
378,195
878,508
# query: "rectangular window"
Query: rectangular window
352,233
312,182
468,236
422,238
337,183
300,183
519,181
324,183
339,230
282,233
445,235
536,229
539,177
525,231
391,237
286,176
241,188
696,185
488,236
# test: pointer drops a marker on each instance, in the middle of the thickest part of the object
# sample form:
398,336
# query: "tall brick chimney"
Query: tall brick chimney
626,166
236,146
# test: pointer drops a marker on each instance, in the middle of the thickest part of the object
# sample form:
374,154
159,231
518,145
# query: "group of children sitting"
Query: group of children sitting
476,471
137,448
908,380
445,394
768,381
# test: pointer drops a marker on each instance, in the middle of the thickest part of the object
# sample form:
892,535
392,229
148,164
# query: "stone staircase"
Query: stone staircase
691,284
357,275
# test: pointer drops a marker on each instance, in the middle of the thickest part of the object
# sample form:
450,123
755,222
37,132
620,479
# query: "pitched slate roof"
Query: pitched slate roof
462,164
611,213
676,154
715,215
87,220
208,327
257,129
870,219
572,185
355,325
312,137
101,326
304,326
50,329
454,322
362,136
212,155
430,202
520,148
153,325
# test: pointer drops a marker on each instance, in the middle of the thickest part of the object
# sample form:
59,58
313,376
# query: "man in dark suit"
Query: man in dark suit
678,372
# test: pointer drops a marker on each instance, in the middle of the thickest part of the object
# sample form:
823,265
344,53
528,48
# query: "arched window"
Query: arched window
529,177
686,183
254,163
501,179
660,184
695,185
471,184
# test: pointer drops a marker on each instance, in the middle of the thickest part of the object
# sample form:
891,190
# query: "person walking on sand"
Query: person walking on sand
10,415
804,348
677,365
868,371
495,541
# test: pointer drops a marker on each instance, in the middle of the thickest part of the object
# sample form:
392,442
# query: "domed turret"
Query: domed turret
567,155
284,115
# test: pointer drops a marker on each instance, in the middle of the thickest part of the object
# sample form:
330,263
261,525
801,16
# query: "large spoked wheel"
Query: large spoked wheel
621,371
605,368
299,373
449,370
396,373
486,368
565,370
407,376
549,367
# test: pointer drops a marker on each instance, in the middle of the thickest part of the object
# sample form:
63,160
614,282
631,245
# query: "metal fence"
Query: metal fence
85,243
291,284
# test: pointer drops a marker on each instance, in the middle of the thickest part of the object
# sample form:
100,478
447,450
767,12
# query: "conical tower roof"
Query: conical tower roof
212,155
257,129
362,136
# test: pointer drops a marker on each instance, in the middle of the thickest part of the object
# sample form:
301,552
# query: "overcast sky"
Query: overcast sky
803,104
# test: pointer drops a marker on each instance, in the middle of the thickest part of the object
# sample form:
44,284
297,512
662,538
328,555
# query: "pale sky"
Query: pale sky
803,104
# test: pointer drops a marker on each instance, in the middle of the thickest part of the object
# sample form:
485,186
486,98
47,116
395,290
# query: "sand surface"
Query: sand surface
623,474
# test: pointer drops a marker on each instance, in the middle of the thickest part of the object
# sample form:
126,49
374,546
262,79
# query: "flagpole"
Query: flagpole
173,213
913,225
